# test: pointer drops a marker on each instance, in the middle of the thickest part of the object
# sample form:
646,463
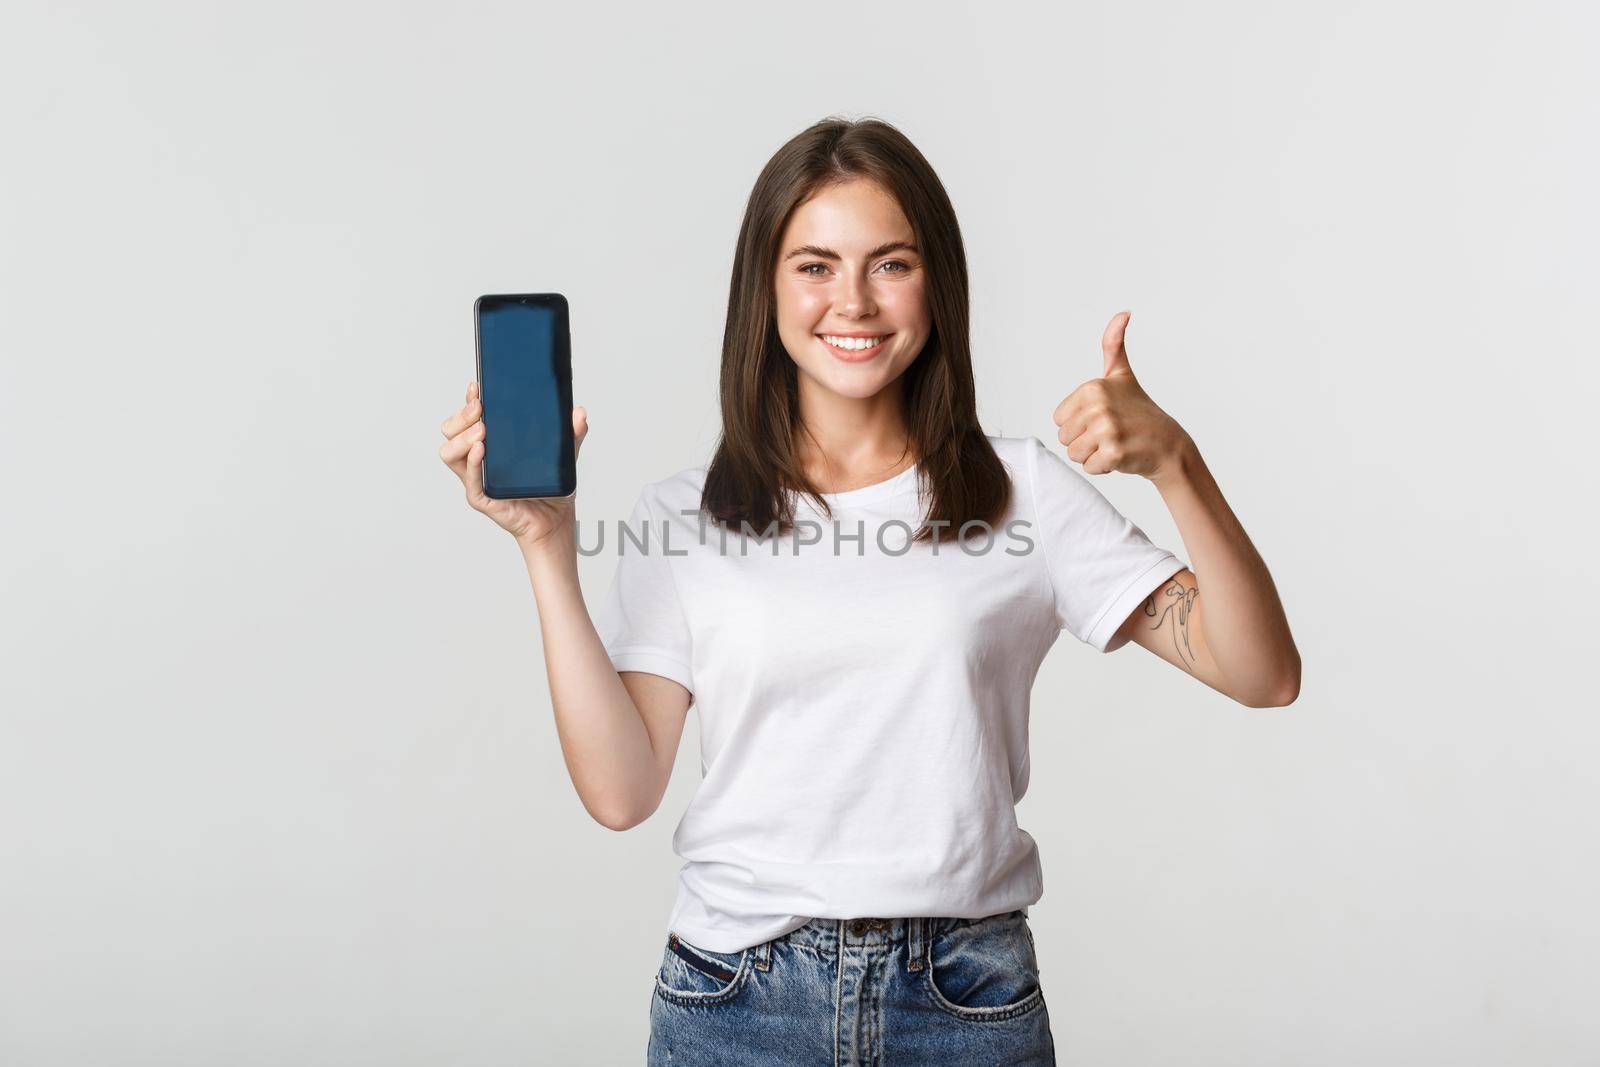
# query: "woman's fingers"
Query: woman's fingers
474,476
580,428
455,450
470,412
462,451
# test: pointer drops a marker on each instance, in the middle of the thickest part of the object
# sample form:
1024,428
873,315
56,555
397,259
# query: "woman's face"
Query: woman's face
848,266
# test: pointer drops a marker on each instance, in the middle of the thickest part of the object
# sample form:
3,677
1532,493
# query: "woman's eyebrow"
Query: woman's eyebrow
828,253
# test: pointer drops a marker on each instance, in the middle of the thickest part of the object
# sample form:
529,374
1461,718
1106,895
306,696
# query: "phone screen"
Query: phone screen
525,380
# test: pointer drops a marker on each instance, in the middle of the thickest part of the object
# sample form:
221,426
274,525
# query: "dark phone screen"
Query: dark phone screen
525,370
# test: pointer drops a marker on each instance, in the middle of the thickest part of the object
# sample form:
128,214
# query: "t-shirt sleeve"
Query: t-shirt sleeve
640,620
1101,565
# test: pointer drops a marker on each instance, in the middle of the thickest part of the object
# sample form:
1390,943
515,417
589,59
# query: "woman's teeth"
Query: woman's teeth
853,344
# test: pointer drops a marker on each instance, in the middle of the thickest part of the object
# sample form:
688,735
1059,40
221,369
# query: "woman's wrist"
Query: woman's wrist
555,552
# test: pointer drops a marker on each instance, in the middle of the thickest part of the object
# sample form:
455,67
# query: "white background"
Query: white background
279,782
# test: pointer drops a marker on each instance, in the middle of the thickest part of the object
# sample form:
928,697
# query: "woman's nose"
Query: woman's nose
856,297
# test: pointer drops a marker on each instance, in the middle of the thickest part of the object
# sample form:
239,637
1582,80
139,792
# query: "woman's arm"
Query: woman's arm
619,731
1231,633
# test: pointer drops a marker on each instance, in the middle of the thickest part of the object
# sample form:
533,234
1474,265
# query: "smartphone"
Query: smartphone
524,347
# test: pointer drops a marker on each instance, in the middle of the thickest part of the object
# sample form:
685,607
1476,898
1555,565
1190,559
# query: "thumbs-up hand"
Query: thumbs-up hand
1109,423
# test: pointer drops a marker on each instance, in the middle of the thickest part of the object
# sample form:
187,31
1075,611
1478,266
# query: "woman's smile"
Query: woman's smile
854,348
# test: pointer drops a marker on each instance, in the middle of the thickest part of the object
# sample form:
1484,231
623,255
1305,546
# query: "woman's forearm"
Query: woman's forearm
603,736
1240,616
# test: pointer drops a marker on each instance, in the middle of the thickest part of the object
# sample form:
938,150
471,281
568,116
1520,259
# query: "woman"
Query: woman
858,591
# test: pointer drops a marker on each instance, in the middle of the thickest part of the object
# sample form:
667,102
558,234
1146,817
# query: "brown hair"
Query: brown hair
960,475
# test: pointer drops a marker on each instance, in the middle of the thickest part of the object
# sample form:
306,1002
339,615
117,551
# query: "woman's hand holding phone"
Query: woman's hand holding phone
530,520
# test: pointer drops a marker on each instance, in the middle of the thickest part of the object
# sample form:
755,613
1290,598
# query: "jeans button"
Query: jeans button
858,927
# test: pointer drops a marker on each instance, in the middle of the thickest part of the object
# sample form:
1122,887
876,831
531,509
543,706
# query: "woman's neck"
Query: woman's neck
845,443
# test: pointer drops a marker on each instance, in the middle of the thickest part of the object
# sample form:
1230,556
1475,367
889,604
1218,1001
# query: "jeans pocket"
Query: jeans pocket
985,970
693,975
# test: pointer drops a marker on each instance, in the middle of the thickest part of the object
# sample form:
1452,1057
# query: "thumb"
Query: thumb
1113,346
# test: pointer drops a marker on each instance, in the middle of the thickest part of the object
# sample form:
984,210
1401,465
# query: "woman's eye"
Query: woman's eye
806,268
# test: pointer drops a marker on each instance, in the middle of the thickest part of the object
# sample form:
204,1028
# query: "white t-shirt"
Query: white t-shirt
864,706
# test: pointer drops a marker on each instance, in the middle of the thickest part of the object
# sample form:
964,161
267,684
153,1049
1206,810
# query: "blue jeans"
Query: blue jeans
857,993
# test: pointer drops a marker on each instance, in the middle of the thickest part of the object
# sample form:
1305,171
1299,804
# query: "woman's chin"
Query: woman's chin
850,382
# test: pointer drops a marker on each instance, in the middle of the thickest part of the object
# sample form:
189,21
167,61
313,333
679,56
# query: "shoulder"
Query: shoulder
1042,475
1022,454
1013,451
